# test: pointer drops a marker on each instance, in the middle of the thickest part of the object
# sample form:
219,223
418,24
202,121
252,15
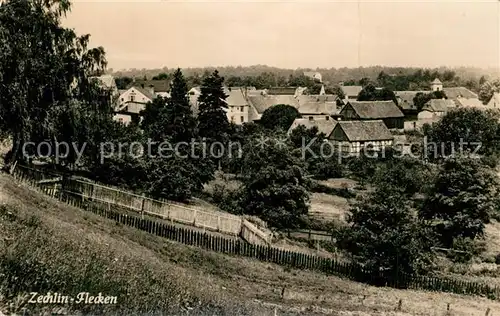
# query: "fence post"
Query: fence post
142,205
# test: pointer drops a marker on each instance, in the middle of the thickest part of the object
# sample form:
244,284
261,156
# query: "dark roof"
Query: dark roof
459,92
282,91
159,85
364,130
405,99
324,126
263,102
145,92
375,109
439,105
351,90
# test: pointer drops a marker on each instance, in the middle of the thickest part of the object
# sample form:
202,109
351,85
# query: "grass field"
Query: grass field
46,245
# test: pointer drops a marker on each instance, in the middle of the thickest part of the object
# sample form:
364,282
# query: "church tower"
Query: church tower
437,85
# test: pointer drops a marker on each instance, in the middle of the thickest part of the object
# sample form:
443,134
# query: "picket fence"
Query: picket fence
265,253
210,220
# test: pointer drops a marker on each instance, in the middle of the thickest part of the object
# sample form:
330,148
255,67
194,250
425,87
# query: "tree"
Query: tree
44,68
421,98
321,162
279,116
384,235
488,89
212,119
371,93
274,185
181,124
461,199
406,176
463,130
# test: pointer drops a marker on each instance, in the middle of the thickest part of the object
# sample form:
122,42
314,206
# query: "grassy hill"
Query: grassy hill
49,246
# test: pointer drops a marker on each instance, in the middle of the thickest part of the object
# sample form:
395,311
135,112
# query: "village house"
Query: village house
494,102
324,125
131,102
238,107
434,110
387,111
351,92
351,137
436,85
259,103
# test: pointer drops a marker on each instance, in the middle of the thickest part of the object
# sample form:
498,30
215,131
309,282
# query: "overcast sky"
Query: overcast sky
291,34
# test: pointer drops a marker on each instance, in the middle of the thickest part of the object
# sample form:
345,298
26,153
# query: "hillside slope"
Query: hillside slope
49,246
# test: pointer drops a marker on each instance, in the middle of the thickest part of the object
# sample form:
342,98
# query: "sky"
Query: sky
291,34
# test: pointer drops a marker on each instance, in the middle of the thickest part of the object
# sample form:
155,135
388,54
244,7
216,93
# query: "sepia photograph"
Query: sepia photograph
250,157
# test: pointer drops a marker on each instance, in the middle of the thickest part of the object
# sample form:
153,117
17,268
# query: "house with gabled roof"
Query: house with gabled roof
354,136
434,110
351,92
494,102
324,125
131,102
237,106
387,111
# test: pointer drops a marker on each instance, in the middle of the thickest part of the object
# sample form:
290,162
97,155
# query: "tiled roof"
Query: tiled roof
106,81
469,103
459,92
324,126
364,130
145,92
439,105
375,109
263,102
351,90
235,97
405,99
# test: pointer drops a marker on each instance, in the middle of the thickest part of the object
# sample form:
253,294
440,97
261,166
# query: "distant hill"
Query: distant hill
333,75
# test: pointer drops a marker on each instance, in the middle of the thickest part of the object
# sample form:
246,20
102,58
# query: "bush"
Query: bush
464,249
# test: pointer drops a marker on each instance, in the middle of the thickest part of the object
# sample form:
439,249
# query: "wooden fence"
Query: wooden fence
265,253
210,220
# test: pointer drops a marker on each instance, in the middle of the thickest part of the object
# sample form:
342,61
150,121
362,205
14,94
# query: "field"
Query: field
76,251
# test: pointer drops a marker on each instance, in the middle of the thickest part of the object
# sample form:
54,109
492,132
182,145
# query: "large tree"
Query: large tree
275,184
279,116
371,93
212,119
421,98
463,130
487,90
384,234
462,199
44,68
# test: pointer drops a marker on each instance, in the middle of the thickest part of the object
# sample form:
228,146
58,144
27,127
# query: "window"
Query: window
241,109
132,98
232,118
122,99
242,119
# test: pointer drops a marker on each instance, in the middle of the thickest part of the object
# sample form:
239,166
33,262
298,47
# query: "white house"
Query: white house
437,85
131,102
494,102
238,107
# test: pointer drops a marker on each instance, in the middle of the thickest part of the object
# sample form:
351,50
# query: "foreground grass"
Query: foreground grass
49,246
